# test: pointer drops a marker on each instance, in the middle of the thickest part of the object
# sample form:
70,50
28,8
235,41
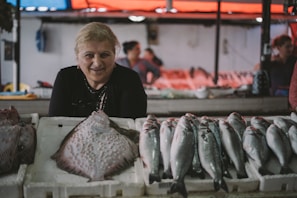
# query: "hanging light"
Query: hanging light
259,19
136,18
42,9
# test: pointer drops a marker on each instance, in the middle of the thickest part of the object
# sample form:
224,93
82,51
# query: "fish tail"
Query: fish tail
286,170
223,185
167,174
242,174
264,171
178,187
154,177
216,185
197,173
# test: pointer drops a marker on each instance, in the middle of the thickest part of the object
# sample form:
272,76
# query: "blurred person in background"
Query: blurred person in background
281,67
143,67
97,82
293,90
150,55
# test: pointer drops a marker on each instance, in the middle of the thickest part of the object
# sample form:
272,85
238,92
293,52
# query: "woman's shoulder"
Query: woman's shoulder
124,75
70,73
69,69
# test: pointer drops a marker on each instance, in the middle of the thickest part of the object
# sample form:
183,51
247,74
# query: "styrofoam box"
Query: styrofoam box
45,179
277,182
196,185
42,92
11,185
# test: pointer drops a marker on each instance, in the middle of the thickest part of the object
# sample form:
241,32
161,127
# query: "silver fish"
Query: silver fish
279,143
293,116
293,138
233,146
210,157
94,150
237,122
196,168
181,154
283,123
167,129
213,125
260,123
149,147
256,148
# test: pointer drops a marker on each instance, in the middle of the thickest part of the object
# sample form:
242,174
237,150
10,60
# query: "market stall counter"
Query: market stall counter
166,107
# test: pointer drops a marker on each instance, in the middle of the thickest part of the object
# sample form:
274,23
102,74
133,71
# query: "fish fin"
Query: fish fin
227,174
216,185
178,187
264,171
242,175
167,174
223,185
154,177
199,174
286,170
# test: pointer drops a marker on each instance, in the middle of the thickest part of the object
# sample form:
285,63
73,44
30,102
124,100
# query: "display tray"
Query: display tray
277,182
197,185
11,185
45,179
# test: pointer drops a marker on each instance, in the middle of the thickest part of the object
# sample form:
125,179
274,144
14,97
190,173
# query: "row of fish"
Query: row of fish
17,141
192,145
277,137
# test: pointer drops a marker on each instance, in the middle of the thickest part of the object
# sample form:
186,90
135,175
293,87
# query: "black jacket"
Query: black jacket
126,97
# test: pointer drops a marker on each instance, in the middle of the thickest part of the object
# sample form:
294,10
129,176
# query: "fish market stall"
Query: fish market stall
47,177
178,106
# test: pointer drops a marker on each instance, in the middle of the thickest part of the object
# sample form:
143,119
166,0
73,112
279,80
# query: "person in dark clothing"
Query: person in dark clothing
281,67
97,82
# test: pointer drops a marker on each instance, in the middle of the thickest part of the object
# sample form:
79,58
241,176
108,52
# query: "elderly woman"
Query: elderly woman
97,82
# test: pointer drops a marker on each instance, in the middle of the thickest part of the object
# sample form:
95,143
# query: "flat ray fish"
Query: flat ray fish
95,150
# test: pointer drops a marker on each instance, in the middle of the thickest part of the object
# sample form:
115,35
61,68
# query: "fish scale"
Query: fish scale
95,150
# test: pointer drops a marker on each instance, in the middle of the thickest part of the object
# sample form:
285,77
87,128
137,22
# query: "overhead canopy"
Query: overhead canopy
189,6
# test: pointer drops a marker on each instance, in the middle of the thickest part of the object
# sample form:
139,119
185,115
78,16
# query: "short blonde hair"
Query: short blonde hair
96,31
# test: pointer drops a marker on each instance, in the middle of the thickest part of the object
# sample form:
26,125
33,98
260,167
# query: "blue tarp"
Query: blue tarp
56,4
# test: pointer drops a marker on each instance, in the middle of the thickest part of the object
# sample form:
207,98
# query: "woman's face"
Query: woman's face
147,55
286,49
135,51
96,60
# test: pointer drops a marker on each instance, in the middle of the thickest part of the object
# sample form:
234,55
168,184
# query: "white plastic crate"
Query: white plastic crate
277,182
11,185
41,92
196,185
45,179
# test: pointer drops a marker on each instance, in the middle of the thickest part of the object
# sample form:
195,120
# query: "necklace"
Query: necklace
102,95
